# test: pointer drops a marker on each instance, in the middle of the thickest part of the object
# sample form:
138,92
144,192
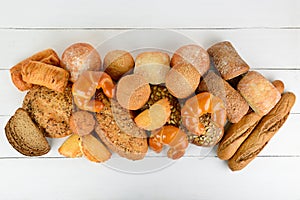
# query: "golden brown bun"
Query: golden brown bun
153,66
260,94
118,62
193,55
262,133
133,92
182,80
50,76
227,60
279,85
236,134
80,57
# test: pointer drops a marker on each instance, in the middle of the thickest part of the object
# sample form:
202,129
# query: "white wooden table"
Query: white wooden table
266,34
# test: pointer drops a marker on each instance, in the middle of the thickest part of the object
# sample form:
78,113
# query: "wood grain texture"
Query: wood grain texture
265,33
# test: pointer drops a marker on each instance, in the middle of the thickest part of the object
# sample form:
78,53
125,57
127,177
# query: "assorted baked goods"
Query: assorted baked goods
263,132
130,105
235,104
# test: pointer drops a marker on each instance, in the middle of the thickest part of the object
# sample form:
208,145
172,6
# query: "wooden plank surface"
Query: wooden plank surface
155,13
265,33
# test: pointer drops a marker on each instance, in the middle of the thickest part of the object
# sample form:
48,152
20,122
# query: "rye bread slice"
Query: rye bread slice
118,131
25,136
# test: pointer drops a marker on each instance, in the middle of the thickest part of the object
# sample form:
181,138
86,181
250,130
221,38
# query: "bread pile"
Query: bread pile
127,105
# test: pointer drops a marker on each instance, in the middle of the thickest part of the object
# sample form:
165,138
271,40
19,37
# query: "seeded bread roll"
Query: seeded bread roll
236,135
80,57
182,80
133,92
193,55
260,93
50,110
262,133
116,63
227,60
153,66
236,106
24,135
118,131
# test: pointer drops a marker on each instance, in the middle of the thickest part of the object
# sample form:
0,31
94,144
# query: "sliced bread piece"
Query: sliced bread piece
25,136
93,149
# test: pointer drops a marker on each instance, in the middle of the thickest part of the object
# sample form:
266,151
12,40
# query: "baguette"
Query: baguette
262,134
236,135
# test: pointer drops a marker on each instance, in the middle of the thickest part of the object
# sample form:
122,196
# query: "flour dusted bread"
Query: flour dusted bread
227,60
118,131
260,93
50,110
50,76
24,135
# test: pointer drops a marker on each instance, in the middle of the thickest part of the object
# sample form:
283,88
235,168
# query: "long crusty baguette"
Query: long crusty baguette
262,134
236,134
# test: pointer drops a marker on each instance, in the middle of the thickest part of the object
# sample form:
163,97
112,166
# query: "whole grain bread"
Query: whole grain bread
24,135
50,110
118,131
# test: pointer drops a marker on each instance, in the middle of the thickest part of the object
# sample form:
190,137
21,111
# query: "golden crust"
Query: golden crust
260,94
50,76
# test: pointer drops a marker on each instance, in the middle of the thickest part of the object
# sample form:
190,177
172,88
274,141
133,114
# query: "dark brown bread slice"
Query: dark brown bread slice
118,131
24,135
50,110
236,105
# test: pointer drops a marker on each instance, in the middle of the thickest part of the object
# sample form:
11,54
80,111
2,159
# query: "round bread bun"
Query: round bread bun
182,80
133,92
153,66
116,63
194,55
80,57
